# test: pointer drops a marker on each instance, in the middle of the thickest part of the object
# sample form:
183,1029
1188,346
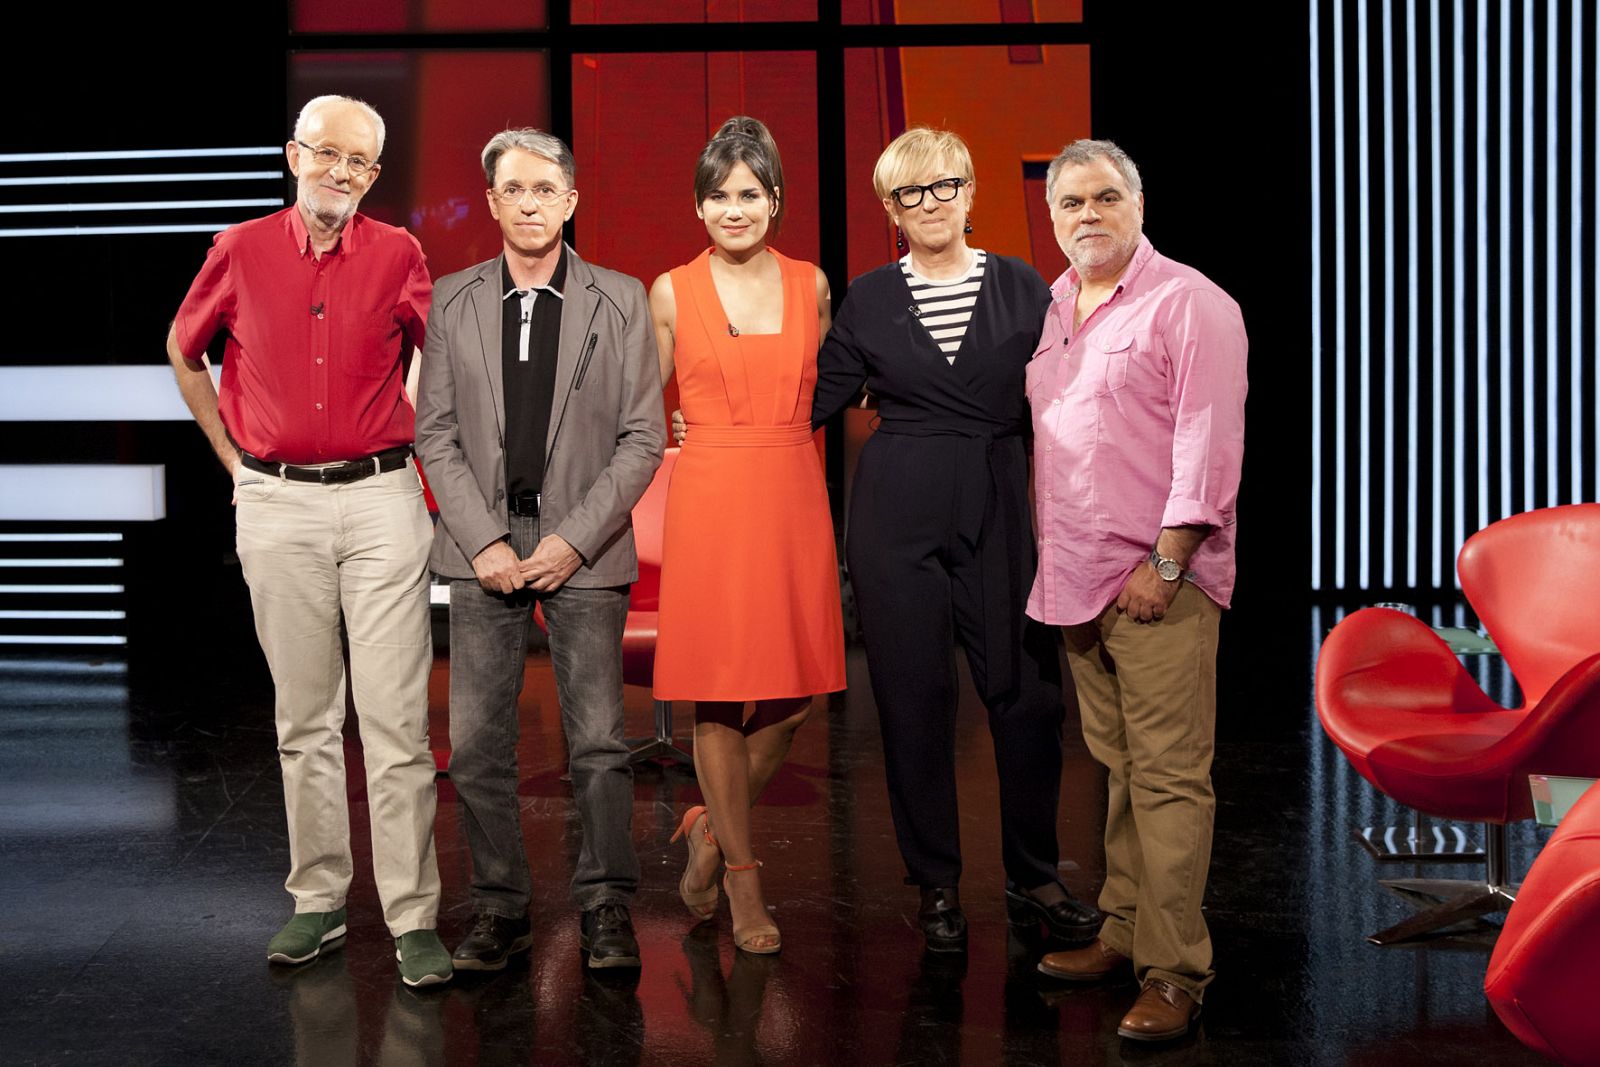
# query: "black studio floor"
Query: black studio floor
142,854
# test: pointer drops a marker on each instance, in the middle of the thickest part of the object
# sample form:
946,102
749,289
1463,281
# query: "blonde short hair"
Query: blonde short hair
915,153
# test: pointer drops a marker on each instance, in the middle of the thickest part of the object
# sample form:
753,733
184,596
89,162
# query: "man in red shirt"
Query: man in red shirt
321,308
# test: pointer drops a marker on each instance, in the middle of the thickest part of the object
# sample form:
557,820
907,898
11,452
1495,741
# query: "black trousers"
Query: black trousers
920,588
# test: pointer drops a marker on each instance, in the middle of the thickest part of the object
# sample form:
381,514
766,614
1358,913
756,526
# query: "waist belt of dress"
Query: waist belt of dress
991,517
390,459
749,436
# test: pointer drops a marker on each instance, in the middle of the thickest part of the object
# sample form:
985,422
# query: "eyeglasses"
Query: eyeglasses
332,157
945,189
544,194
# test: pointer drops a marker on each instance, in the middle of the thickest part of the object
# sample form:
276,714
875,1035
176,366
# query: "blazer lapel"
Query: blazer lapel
486,301
578,305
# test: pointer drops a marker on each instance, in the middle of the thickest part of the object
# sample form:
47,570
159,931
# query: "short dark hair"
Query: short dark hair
741,139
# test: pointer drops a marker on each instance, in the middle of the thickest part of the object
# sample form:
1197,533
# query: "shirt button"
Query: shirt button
1048,495
319,407
320,315
319,361
1047,448
1047,540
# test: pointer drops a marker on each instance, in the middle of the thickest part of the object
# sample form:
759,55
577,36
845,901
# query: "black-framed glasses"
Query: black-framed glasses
943,190
545,194
331,157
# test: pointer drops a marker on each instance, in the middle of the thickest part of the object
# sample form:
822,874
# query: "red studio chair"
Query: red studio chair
1413,722
639,635
1541,976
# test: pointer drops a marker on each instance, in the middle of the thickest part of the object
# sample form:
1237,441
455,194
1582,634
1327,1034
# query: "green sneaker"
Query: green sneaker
423,959
303,937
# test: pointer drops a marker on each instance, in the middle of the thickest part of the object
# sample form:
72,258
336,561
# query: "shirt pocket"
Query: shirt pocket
1114,353
1034,371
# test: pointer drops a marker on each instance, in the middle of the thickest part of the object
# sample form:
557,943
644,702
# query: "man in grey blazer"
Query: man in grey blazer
539,425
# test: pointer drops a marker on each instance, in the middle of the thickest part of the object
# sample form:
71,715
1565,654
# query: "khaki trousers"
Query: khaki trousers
1147,694
312,553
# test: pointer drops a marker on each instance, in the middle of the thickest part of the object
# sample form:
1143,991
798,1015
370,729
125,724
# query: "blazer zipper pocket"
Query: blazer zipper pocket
583,367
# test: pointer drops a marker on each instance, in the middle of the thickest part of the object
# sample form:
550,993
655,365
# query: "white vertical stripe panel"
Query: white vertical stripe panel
1575,281
1552,491
1388,297
1364,249
1458,361
1529,292
1340,306
1503,89
1437,230
1316,303
1481,266
1411,287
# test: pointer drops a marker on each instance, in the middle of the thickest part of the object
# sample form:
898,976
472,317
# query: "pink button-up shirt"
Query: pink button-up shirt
1138,423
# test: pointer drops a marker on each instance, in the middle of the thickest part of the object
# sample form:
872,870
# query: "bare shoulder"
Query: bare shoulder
824,293
663,301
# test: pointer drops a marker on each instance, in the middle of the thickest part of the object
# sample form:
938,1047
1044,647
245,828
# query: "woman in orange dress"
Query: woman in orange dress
750,627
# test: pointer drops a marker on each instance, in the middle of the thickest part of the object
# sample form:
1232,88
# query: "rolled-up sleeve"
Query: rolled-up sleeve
1207,349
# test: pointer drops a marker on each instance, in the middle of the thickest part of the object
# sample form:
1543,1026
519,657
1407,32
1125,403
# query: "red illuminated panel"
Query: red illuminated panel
402,16
439,109
614,11
639,122
914,12
1047,256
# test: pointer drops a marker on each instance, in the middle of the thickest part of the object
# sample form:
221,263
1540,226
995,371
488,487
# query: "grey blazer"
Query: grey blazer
606,425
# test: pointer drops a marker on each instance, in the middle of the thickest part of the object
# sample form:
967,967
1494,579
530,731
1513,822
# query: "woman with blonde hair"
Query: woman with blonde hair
749,580
940,542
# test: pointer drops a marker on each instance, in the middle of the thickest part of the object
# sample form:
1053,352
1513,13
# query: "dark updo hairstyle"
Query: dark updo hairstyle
741,139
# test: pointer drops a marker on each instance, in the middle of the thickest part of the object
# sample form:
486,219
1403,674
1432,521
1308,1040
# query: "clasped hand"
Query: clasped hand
500,571
1146,596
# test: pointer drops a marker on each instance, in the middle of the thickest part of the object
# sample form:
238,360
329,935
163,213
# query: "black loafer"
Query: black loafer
941,919
1069,920
606,934
493,941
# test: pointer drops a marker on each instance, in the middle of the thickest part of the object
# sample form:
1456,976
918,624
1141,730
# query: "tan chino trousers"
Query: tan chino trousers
1147,695
312,553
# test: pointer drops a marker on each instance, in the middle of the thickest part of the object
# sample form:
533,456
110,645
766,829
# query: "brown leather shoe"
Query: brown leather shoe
1162,1012
1091,963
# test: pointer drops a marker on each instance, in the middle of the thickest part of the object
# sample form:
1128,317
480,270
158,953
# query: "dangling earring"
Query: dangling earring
899,239
968,228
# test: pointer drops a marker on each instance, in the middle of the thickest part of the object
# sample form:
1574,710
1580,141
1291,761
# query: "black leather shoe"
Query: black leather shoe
1069,919
606,934
941,920
493,941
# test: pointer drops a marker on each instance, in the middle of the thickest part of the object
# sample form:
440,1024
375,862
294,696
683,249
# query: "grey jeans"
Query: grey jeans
488,646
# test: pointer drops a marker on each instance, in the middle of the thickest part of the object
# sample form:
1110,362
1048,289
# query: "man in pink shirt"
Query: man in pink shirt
1137,393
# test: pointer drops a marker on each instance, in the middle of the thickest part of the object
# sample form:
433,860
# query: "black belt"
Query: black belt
524,504
390,459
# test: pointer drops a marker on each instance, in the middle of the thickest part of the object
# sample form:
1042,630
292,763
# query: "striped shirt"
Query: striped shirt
945,305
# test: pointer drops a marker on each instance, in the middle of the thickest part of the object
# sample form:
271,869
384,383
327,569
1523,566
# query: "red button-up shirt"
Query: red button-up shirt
1138,424
318,346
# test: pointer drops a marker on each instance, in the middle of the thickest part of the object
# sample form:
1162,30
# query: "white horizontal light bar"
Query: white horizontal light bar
71,562
88,393
137,153
141,205
47,613
61,639
62,666
53,537
101,231
83,492
133,179
58,588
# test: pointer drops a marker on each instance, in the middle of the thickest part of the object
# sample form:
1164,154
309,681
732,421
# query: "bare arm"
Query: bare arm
824,304
664,320
200,393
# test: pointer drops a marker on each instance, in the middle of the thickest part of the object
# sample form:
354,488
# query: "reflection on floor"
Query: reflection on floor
142,853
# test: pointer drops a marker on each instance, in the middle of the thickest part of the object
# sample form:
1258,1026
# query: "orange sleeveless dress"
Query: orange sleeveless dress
749,579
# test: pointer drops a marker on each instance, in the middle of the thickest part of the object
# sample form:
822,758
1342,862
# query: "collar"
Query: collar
557,282
301,235
1069,283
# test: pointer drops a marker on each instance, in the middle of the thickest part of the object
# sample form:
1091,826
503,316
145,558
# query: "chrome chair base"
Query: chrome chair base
661,746
1453,900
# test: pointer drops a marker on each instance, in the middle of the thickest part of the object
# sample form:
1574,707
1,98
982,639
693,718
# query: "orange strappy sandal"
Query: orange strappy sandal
742,938
702,903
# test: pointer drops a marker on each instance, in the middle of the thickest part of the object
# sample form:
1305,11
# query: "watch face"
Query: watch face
1169,570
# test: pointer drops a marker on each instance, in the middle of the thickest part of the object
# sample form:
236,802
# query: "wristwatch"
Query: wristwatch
1170,570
